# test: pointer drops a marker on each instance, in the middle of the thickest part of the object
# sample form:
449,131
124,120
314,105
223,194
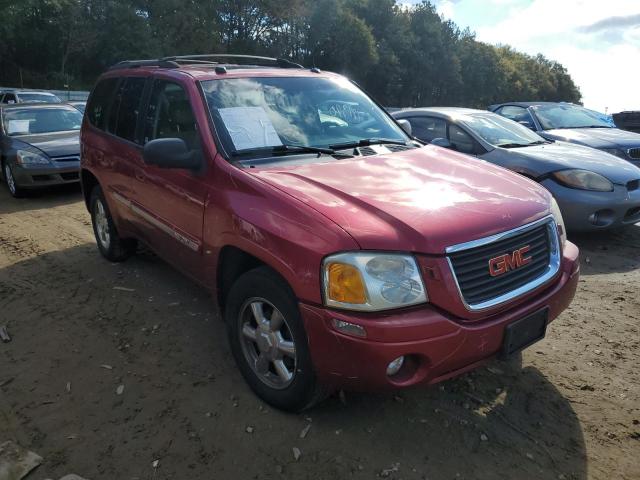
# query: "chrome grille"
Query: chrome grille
470,264
634,153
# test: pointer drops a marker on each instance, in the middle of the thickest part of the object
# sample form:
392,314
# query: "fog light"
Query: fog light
349,328
395,366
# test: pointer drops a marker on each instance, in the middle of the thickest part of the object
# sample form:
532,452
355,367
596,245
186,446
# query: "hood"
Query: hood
595,137
549,158
53,144
421,200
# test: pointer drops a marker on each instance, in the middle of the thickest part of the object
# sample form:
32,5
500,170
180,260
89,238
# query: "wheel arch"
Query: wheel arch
88,181
232,263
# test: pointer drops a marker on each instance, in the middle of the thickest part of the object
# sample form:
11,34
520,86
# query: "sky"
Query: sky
597,41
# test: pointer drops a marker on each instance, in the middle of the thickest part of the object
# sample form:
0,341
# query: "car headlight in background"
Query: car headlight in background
583,180
615,151
557,215
31,158
369,281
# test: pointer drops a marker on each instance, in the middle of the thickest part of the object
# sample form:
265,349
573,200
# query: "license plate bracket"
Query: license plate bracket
524,332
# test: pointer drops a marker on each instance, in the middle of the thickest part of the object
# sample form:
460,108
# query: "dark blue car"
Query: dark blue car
575,124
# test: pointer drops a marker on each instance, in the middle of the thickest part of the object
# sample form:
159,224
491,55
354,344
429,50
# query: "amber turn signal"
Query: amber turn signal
345,284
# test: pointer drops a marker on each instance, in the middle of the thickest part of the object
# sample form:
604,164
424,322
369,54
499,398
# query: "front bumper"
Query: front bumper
611,209
438,345
57,173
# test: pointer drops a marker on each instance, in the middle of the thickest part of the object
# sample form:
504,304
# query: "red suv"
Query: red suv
342,252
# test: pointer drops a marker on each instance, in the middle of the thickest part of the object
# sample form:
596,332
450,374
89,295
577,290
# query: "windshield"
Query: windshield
39,97
254,113
29,121
569,116
499,131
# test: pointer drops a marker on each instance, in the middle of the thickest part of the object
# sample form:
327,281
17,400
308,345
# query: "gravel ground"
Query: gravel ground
114,367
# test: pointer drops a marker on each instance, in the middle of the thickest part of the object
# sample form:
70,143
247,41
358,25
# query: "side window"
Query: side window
126,108
461,140
428,128
9,98
517,114
100,101
170,115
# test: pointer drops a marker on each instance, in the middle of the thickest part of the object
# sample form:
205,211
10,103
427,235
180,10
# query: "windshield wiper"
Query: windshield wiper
582,126
539,142
287,149
365,142
513,145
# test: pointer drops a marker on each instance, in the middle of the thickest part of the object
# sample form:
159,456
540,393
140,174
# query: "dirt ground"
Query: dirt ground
82,327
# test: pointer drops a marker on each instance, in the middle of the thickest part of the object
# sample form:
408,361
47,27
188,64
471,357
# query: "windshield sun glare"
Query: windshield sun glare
256,113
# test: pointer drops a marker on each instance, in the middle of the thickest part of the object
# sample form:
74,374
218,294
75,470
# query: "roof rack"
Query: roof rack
144,63
204,60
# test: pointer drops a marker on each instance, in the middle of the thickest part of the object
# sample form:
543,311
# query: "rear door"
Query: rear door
118,150
172,201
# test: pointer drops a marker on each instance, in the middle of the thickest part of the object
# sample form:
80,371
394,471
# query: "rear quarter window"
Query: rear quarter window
123,118
100,102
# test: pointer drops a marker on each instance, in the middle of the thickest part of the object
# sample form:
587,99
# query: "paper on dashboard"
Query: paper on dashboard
17,126
249,127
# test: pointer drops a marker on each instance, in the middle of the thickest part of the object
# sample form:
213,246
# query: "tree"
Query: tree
403,56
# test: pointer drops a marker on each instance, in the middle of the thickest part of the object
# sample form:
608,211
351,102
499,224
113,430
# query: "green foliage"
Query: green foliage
403,57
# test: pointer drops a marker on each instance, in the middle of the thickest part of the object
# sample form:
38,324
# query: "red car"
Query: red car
342,252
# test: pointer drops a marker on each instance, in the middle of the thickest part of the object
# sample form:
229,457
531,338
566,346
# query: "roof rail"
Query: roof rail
161,63
212,59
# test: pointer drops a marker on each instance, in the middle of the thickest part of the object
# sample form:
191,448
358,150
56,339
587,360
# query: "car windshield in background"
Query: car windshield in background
30,121
39,97
568,116
501,132
263,114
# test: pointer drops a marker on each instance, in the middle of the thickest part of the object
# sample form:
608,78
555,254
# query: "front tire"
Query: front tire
9,179
111,246
269,343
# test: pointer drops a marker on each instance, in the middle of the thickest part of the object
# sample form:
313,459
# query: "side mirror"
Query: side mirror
406,126
170,153
441,142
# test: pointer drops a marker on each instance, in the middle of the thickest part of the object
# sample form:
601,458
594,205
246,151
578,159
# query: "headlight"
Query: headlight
583,180
557,215
372,281
31,158
616,151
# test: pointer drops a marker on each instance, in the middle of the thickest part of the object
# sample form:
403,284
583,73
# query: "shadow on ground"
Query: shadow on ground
609,251
82,327
39,199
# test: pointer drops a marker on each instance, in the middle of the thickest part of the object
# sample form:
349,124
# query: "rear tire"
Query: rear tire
111,246
269,343
12,186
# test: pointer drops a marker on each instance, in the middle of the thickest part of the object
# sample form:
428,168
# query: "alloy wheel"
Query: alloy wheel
8,176
102,225
267,343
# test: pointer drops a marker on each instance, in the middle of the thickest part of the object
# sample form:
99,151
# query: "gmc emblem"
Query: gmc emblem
502,264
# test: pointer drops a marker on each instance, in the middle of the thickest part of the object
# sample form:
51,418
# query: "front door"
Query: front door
171,201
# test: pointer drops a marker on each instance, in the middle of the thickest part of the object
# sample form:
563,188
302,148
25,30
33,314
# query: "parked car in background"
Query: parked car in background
28,96
80,106
574,124
595,190
39,145
343,253
629,121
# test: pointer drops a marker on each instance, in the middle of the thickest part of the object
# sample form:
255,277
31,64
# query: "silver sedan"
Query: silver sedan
595,190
